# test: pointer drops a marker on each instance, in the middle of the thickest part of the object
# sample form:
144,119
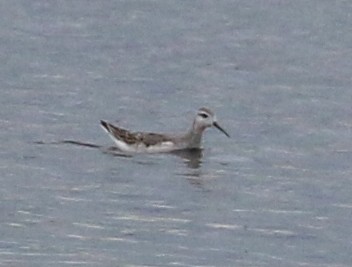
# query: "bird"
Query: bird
148,142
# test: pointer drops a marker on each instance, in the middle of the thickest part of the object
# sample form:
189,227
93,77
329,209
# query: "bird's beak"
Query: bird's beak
221,129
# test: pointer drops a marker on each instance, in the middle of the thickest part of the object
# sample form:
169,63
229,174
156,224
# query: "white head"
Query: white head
206,118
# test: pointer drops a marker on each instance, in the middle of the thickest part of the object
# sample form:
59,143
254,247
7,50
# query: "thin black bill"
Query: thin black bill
221,129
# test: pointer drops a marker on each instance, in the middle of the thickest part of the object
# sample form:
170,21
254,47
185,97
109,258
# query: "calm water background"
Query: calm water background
278,75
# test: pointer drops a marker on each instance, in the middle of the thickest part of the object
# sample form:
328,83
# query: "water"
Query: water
277,73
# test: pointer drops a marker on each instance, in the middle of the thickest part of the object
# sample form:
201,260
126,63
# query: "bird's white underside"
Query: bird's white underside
142,148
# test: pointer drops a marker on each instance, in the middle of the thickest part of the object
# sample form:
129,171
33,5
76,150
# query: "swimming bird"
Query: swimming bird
145,142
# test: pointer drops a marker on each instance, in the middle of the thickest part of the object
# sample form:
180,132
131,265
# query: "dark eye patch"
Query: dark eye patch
203,115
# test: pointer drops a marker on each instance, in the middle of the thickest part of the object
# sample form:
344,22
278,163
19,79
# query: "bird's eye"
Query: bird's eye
203,115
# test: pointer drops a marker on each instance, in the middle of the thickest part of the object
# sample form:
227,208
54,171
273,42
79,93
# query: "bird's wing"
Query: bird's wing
150,139
120,133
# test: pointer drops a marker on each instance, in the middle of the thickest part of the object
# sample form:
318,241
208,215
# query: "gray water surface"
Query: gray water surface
278,75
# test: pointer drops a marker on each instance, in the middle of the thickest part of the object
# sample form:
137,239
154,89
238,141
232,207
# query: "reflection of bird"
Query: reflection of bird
139,142
192,157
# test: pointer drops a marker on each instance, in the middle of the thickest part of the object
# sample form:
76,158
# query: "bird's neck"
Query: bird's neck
195,136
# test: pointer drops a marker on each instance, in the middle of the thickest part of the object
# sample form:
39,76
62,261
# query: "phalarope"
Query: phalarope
139,142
